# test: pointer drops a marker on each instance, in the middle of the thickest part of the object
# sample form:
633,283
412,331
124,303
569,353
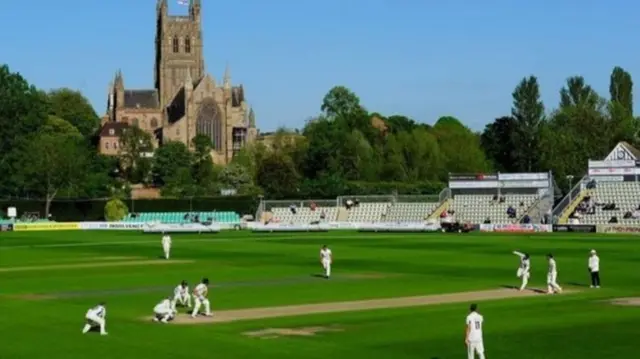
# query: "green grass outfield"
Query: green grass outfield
42,303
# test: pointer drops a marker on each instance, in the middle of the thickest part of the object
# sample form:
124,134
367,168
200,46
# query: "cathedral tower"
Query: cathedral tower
178,49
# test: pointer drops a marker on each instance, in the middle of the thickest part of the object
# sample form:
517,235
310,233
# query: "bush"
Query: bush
115,210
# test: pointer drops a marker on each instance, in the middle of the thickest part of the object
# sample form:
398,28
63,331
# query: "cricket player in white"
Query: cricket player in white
552,276
594,269
200,298
326,257
524,269
163,311
96,317
181,296
473,335
166,245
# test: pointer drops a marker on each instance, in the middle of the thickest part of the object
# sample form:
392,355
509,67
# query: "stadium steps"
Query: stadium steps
343,214
564,218
441,208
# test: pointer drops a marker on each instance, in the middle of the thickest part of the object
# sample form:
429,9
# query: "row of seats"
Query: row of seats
625,196
477,208
183,217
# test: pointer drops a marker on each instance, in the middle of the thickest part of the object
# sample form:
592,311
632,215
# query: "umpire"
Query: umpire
594,269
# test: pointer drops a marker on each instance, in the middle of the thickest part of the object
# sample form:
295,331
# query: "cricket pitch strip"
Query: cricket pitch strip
226,316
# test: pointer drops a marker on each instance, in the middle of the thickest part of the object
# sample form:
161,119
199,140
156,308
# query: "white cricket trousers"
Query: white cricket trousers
552,283
201,301
525,279
182,299
162,314
326,264
475,347
95,321
167,250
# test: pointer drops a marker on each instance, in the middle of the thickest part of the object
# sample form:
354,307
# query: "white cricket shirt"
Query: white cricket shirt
99,311
594,263
180,290
552,266
474,323
201,290
166,240
325,254
163,307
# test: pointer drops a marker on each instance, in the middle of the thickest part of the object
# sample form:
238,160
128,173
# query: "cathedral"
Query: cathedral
185,101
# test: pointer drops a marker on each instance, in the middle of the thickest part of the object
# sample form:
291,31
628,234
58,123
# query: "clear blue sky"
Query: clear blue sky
420,58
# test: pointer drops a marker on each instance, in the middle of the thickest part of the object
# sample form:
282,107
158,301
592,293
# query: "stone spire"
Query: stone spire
252,118
226,82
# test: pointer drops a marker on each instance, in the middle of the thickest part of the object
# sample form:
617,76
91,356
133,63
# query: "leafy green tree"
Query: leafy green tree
277,176
203,169
624,127
135,144
23,110
53,163
168,162
498,142
235,176
528,111
459,146
73,107
340,101
56,125
115,210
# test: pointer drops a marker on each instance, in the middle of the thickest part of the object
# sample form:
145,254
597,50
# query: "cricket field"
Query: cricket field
390,296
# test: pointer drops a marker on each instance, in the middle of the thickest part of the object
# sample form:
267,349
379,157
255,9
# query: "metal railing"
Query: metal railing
568,198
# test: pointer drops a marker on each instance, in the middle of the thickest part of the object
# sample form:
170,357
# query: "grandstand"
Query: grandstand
609,193
183,217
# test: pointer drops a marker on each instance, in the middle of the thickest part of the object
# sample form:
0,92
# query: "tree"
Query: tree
115,210
498,143
340,101
135,144
621,89
23,110
73,107
203,170
460,147
277,176
624,127
169,161
56,125
54,162
528,112
235,176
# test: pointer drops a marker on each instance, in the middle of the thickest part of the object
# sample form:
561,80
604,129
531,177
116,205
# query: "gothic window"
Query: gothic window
239,139
115,145
176,44
187,45
144,124
154,122
135,122
209,122
106,145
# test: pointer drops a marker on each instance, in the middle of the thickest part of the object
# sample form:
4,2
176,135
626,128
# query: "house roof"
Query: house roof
113,129
634,151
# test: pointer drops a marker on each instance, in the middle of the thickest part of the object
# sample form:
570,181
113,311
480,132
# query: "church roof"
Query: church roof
141,99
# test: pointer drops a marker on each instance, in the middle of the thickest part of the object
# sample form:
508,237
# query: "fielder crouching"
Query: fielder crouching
163,311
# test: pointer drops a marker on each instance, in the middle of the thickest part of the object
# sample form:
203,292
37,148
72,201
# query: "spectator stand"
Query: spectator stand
501,198
609,193
297,211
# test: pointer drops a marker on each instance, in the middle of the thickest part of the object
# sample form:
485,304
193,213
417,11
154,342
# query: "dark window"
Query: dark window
154,122
239,136
187,45
176,44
